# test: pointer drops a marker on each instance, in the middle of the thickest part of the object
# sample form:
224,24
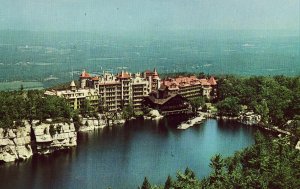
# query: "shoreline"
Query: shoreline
37,139
260,125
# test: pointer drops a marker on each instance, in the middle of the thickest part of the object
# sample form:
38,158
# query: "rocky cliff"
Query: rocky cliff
43,138
15,144
50,137
21,143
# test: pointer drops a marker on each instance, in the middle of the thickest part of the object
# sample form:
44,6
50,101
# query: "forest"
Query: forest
276,99
30,105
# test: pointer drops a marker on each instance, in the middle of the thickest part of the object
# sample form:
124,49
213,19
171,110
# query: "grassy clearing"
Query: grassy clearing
15,85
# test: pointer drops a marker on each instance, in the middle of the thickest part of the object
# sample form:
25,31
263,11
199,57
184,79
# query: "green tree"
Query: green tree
217,164
189,173
6,122
76,120
294,108
229,106
295,127
17,106
263,110
168,183
278,99
87,109
146,184
128,112
196,103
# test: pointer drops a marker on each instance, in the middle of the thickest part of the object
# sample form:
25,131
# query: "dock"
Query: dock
191,122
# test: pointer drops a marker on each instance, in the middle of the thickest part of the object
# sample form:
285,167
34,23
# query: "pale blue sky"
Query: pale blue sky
144,15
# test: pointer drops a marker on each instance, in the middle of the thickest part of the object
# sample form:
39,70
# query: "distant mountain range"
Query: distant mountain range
35,56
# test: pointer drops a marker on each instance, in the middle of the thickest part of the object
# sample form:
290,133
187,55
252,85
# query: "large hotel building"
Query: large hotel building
112,92
190,86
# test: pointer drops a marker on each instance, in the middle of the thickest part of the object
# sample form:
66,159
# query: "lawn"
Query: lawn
16,85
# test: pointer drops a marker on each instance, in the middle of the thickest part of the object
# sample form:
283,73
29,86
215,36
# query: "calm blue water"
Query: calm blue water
121,157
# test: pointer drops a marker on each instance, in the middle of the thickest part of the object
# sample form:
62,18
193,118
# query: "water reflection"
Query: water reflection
120,157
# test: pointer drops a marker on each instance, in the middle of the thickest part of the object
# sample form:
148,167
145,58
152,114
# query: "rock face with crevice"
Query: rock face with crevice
21,142
15,144
50,137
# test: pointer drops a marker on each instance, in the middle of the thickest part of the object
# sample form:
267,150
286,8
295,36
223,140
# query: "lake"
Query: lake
120,157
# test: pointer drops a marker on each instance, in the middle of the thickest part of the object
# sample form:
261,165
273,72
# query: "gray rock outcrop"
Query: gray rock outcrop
15,144
89,124
153,114
249,118
54,136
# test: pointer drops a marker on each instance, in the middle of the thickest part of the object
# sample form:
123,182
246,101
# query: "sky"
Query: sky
149,15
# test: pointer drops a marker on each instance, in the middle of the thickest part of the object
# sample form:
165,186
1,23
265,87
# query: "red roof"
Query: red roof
84,74
154,74
212,81
182,81
95,78
204,82
191,80
123,75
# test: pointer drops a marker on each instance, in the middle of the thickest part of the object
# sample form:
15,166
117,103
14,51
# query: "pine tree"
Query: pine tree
189,173
168,183
146,184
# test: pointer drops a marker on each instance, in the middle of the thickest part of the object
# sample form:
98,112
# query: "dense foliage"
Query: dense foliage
229,106
277,98
196,103
128,112
269,163
30,105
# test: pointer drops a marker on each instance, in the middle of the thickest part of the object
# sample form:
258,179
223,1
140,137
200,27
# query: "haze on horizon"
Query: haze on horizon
149,15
